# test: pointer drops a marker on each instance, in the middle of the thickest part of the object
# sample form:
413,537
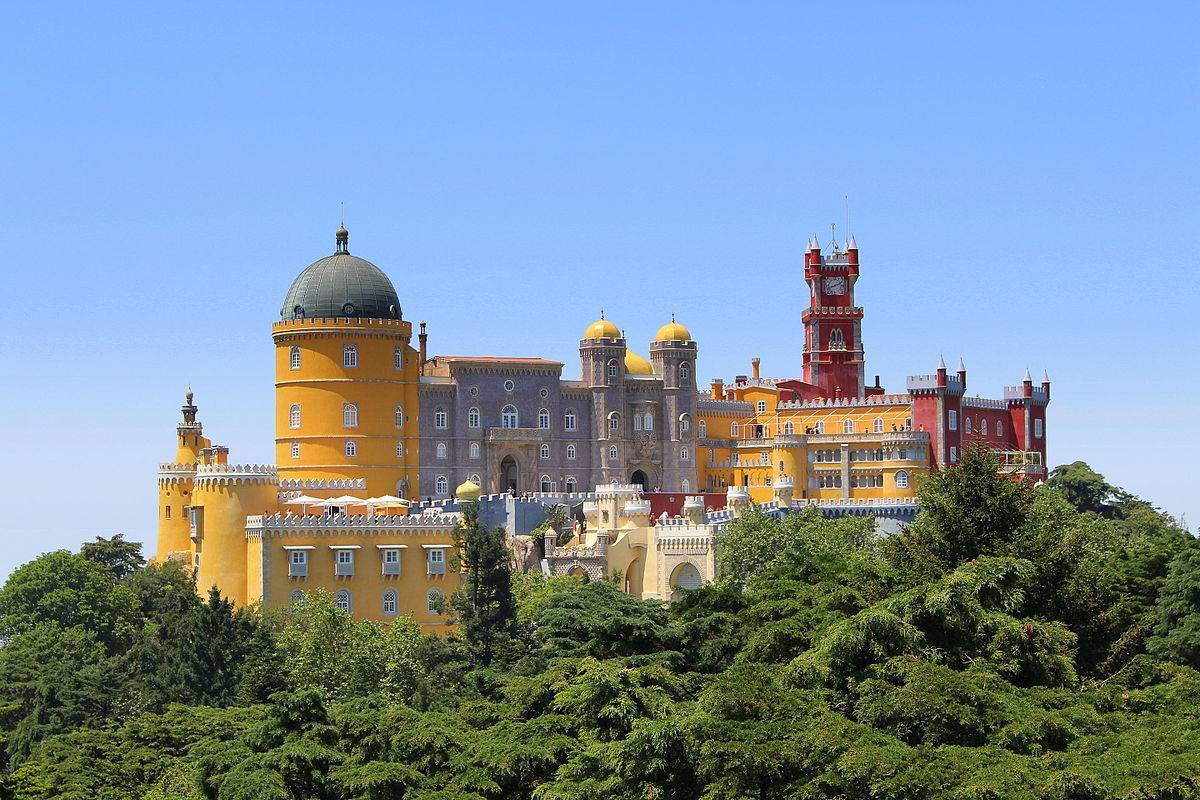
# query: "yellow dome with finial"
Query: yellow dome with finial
602,329
673,332
636,365
468,490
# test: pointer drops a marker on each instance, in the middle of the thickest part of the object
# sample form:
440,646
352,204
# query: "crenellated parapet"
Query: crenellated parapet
230,474
322,484
171,474
847,402
284,524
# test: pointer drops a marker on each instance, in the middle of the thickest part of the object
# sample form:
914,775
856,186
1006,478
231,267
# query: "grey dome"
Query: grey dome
341,285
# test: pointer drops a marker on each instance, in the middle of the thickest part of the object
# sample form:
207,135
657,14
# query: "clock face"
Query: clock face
835,285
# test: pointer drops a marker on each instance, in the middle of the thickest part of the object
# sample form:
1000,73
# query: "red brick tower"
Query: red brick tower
833,351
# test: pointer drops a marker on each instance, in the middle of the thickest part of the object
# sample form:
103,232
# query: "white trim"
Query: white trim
437,546
299,547
345,547
392,546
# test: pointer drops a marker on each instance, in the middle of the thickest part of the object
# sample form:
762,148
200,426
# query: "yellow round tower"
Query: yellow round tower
175,487
346,378
223,496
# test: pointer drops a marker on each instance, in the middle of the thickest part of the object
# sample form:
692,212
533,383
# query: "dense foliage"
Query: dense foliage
1014,642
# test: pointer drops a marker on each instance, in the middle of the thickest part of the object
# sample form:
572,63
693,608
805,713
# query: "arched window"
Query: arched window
441,419
398,358
544,452
967,427
296,596
569,420
294,416
789,428
399,449
441,449
544,419
684,454
901,480
685,424
637,422
442,486
389,603
877,426
475,480
819,426
473,418
402,488
399,416
474,449
342,598
848,426
350,415
837,340
983,426
999,427
685,372
351,449
612,368
350,356
434,601
686,486
614,422
612,453
570,451
544,484
703,426
570,483
648,421
508,417
294,357
295,449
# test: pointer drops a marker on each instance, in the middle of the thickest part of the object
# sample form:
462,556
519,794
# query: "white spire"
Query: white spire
941,362
815,244
1028,377
852,245
961,366
1045,376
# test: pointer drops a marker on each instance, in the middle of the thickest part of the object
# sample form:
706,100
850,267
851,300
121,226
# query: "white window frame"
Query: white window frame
684,454
788,428
474,450
545,484
441,485
544,452
390,604
297,563
901,480
441,419
685,372
398,358
647,421
613,453
350,356
294,357
569,420
953,455
848,426
510,417
473,418
430,602
570,452
703,429
442,450
343,560
349,415
351,449
877,425
399,449
343,600
294,416
295,449
761,406
613,371
570,484
399,416
1038,430
952,420
435,561
390,557
544,419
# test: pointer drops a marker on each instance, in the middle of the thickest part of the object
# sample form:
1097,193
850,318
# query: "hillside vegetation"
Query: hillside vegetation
1014,642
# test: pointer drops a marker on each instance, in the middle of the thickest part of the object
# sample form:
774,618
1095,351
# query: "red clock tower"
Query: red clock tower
833,351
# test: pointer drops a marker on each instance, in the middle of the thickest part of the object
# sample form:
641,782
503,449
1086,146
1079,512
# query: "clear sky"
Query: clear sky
1023,185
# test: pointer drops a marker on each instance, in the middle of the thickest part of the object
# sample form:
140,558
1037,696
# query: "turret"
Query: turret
673,354
693,509
1027,384
225,494
1046,384
783,491
941,373
962,373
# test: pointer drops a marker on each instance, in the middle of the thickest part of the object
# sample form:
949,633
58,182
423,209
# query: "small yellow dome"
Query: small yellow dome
636,365
673,332
602,329
467,490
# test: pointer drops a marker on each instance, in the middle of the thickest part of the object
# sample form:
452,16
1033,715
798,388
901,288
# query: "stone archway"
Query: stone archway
639,478
510,476
683,578
634,576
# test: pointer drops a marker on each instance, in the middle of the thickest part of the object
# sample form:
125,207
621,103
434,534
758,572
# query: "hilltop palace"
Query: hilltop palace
377,443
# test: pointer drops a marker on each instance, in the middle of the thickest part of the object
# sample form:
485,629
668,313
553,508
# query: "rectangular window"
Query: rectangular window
295,449
167,512
952,420
953,455
1037,429
762,406
569,421
437,562
398,358
298,564
391,562
345,562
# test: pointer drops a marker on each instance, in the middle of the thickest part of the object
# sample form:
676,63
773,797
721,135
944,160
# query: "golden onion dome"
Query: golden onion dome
467,490
636,365
673,332
602,329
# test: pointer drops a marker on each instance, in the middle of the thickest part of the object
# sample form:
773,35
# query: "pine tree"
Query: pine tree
484,605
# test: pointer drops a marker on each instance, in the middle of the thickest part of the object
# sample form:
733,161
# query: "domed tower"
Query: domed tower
175,486
346,378
602,358
673,353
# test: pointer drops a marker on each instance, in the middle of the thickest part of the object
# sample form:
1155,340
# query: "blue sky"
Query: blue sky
1023,186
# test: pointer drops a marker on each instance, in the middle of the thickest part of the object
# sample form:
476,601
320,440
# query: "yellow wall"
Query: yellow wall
174,533
225,504
368,583
322,386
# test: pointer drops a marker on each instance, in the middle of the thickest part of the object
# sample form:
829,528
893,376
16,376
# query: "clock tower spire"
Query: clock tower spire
833,351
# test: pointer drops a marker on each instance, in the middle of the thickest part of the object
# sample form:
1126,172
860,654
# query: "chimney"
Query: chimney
718,388
877,384
754,365
423,338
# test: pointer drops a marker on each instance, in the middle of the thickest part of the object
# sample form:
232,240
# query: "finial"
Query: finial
188,395
672,316
342,236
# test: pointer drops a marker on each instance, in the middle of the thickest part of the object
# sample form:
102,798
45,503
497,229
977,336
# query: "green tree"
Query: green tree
1087,490
484,605
1177,625
599,620
122,557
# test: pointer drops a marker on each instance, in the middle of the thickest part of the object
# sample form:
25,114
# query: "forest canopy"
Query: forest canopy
1013,642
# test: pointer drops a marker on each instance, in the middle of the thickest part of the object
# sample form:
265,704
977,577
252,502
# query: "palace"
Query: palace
371,434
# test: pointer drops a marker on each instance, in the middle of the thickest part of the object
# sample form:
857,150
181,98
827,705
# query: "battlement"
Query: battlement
304,324
225,474
322,484
284,523
634,507
927,383
1018,393
848,402
851,312
984,402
